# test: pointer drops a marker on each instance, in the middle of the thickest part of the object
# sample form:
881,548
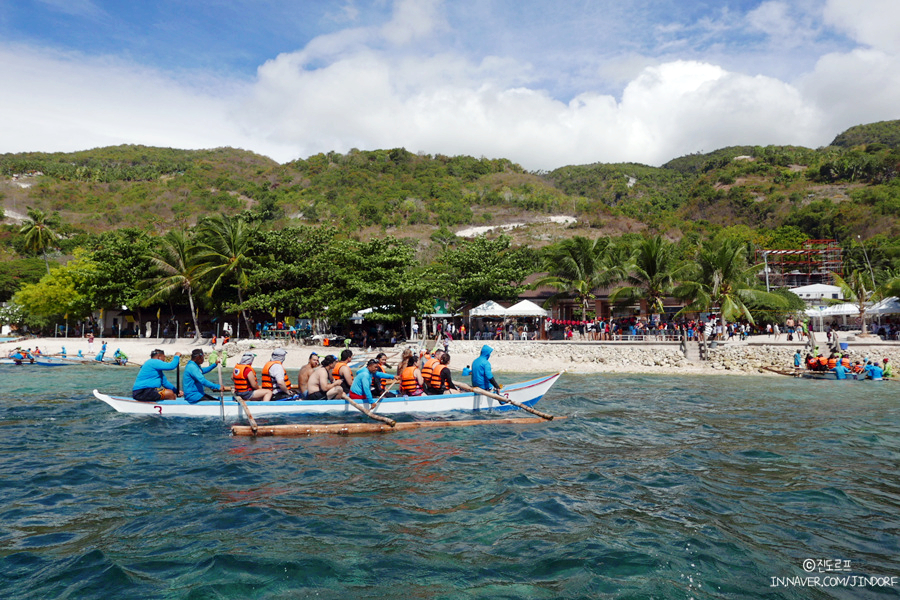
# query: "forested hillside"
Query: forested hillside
849,188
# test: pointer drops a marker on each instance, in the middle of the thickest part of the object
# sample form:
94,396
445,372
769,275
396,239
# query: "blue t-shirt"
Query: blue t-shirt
151,374
840,371
194,381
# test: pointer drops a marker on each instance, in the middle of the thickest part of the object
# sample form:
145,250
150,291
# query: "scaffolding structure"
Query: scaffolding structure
815,262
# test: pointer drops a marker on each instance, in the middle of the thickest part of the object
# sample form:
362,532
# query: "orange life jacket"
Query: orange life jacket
336,371
832,363
378,382
428,368
268,382
241,379
435,382
408,383
845,362
822,360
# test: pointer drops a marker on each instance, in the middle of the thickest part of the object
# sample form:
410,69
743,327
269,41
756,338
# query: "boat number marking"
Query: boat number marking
158,408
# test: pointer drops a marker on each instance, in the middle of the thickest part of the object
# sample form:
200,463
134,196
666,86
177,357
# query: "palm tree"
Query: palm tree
722,279
860,288
225,254
577,266
39,233
654,273
178,270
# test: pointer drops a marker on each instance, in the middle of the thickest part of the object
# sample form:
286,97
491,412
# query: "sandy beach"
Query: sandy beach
509,357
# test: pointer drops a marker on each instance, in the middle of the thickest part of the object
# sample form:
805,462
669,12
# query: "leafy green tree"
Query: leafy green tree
56,294
175,270
483,269
121,263
721,279
39,233
18,272
226,254
653,274
577,266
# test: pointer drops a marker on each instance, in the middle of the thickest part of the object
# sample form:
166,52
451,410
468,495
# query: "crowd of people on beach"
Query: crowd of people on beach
418,373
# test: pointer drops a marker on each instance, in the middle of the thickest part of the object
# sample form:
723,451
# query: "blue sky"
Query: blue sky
542,83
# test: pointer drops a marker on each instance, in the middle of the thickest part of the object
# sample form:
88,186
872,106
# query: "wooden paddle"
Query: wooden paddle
505,400
221,387
250,418
368,413
383,394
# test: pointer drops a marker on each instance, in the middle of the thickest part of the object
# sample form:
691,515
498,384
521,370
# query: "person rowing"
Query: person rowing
275,378
378,388
321,386
194,380
482,374
441,380
246,386
362,383
151,384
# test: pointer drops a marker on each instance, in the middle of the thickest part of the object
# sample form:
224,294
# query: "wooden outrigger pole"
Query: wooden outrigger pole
305,430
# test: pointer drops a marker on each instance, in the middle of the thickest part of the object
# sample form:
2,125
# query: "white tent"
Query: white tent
488,309
526,308
839,310
888,306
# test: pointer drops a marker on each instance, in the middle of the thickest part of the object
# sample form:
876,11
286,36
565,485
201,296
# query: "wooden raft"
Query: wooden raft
360,428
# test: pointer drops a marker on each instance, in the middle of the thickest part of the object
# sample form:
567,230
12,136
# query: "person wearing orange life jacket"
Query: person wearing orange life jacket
342,372
411,382
245,383
832,361
275,378
428,366
440,377
845,361
378,387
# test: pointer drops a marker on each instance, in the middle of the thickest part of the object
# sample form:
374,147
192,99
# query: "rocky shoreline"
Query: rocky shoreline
733,358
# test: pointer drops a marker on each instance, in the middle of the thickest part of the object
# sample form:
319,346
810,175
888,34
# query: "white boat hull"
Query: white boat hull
527,392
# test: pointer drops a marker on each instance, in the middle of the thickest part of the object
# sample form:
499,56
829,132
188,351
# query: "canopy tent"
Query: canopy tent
526,308
888,306
488,309
837,310
359,316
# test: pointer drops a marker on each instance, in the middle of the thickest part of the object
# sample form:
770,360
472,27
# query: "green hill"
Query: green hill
849,188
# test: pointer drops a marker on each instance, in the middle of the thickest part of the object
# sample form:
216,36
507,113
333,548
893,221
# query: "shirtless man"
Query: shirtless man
305,372
320,386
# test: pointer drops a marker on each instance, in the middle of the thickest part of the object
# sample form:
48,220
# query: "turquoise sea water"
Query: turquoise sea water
655,487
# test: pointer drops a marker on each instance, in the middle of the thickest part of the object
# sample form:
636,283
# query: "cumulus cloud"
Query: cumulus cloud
870,22
390,85
65,102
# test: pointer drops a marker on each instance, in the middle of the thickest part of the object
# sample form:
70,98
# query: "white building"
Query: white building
818,294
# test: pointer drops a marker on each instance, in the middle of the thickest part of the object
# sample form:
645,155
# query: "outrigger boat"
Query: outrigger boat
526,392
41,361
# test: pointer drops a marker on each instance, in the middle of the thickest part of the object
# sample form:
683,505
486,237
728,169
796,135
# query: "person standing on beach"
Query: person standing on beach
90,343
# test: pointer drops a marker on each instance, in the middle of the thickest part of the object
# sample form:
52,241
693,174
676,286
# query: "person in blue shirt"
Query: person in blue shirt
151,384
194,380
798,360
99,357
840,371
482,375
121,357
362,381
877,372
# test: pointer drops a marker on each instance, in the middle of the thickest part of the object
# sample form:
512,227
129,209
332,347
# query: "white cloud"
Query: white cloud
870,22
55,102
378,87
